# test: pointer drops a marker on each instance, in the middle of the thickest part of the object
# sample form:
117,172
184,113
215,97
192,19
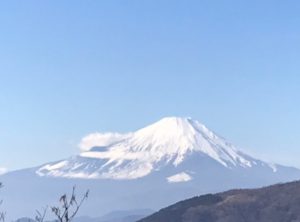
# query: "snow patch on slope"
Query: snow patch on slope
180,177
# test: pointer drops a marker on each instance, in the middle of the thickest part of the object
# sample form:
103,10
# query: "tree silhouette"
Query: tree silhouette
69,206
2,214
40,216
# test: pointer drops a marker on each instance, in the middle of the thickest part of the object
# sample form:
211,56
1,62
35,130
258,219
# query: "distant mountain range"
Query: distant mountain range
115,216
278,203
170,160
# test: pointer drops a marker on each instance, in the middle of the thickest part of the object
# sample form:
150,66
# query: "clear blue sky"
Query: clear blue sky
70,68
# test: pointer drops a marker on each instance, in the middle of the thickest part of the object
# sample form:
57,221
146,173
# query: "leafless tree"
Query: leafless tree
2,214
69,206
40,216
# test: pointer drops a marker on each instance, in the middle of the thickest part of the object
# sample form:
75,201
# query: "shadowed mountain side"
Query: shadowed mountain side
277,203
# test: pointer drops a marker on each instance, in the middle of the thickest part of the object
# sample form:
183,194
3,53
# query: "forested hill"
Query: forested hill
277,203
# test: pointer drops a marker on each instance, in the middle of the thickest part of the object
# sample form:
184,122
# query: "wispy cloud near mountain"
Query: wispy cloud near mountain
100,140
173,141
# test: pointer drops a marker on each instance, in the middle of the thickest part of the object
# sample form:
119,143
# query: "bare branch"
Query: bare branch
41,216
2,214
69,206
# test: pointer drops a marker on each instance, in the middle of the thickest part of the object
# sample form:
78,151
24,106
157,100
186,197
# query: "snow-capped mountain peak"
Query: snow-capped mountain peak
168,142
165,162
176,138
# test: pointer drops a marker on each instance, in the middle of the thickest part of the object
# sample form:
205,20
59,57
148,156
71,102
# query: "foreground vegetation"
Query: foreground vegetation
65,211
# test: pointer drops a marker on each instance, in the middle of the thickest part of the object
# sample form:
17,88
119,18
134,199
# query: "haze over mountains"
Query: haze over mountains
172,159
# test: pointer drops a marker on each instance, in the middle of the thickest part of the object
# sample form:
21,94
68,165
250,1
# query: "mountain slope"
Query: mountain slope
168,161
169,142
278,203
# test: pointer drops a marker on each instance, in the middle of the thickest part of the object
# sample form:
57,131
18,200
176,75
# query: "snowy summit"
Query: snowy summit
163,163
169,142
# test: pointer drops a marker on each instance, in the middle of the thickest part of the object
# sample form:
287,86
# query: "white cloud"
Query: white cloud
100,139
2,170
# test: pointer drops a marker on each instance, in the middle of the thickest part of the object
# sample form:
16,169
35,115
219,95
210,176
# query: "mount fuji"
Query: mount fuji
172,159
